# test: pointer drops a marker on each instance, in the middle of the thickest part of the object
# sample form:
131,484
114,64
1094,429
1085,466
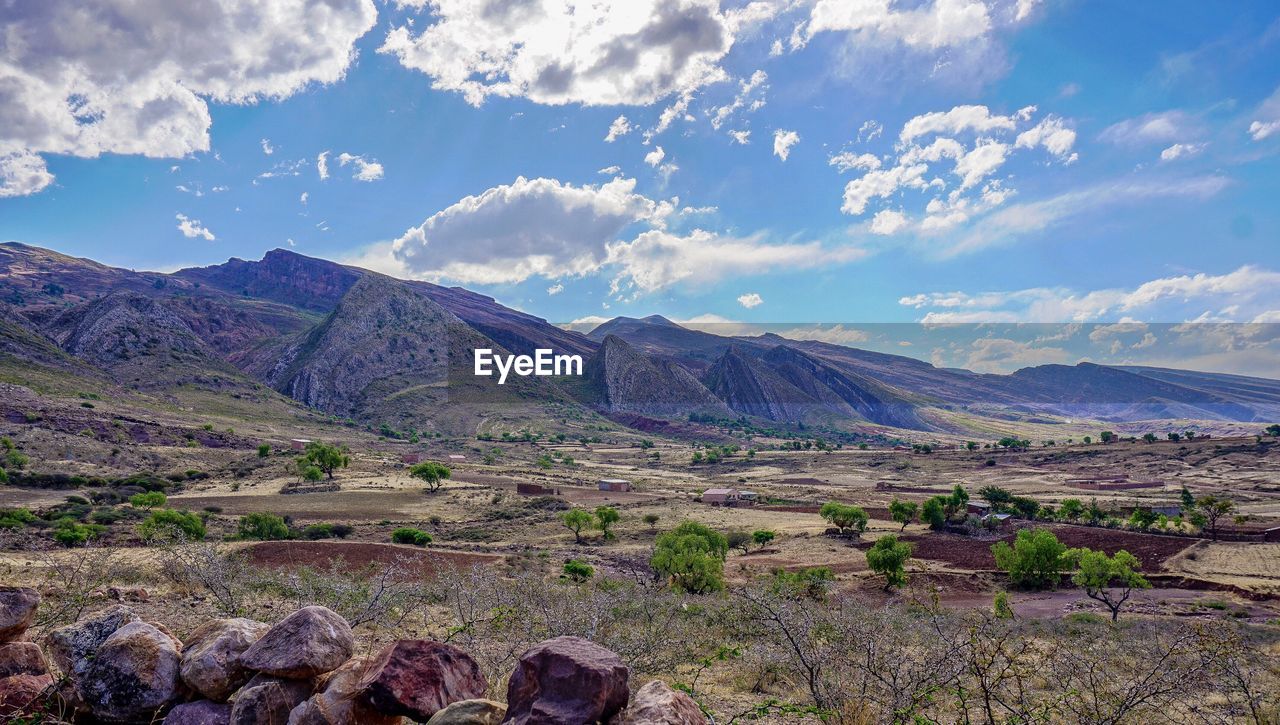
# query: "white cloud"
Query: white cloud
869,131
750,97
619,128
1151,128
122,77
888,222
555,289
1051,133
783,141
364,170
266,147
610,170
932,25
303,198
613,52
750,300
741,137
1260,130
1266,121
655,157
848,161
322,165
192,228
835,334
977,119
1181,150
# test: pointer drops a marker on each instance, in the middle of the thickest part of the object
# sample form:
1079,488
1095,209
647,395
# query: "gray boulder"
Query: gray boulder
132,675
659,704
566,680
200,712
309,642
266,700
211,659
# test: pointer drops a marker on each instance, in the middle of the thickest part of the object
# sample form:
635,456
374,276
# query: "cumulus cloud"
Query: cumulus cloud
619,128
615,52
849,161
750,97
1266,118
888,222
1180,151
750,300
1152,128
555,289
267,148
741,138
122,77
655,157
362,168
192,228
783,141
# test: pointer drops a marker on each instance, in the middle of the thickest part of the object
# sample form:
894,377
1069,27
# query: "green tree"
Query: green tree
262,526
406,535
691,557
1273,429
1071,509
578,571
264,450
1188,500
147,500
763,537
970,446
1035,561
311,473
606,517
1108,579
431,473
934,512
903,512
739,539
576,520
844,516
888,557
167,524
1211,509
326,457
1107,436
1149,437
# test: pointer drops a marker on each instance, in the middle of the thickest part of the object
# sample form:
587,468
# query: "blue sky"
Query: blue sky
1020,160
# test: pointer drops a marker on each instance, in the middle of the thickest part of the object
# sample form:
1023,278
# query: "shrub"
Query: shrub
578,571
763,537
844,516
70,533
691,556
1035,561
888,557
263,527
148,500
264,450
811,583
417,537
16,518
431,473
106,516
318,531
168,523
311,473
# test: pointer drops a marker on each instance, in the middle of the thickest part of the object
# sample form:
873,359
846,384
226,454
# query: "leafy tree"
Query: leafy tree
691,556
1025,506
311,473
147,500
903,512
262,526
264,450
1149,437
576,520
934,512
970,446
995,496
167,523
1071,509
1175,437
809,583
326,457
1088,440
739,539
844,516
578,571
651,519
763,537
888,557
1211,509
959,497
406,535
1108,579
1188,500
431,473
607,516
1107,436
1273,429
1035,561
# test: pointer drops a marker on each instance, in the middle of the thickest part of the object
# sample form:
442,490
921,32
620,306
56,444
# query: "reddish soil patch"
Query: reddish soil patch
967,553
418,563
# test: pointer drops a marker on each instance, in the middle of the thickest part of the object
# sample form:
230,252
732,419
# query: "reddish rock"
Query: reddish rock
132,675
200,712
18,692
22,658
266,700
658,704
417,677
309,642
566,680
17,611
338,703
211,659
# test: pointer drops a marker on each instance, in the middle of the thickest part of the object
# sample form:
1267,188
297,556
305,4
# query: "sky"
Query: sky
875,161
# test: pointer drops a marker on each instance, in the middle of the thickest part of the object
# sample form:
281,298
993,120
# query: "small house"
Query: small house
299,444
457,457
614,484
978,508
533,489
411,458
720,496
996,521
748,497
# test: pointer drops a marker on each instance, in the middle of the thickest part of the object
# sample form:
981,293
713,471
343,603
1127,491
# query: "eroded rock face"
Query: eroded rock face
132,675
309,642
266,700
211,659
566,680
417,677
470,712
17,611
22,658
338,703
200,712
658,704
19,692
71,646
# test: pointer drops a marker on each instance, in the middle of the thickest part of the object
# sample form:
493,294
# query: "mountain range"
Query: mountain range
358,345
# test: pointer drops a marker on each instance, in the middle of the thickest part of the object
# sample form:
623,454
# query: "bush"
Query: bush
417,537
1035,561
168,523
264,450
148,500
16,518
106,516
888,557
263,527
318,531
691,556
578,571
844,517
69,533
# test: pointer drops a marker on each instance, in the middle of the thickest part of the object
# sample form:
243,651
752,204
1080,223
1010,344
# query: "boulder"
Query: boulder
211,659
22,658
417,677
658,704
309,642
132,675
17,692
470,712
566,680
200,712
338,703
266,700
72,646
17,611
